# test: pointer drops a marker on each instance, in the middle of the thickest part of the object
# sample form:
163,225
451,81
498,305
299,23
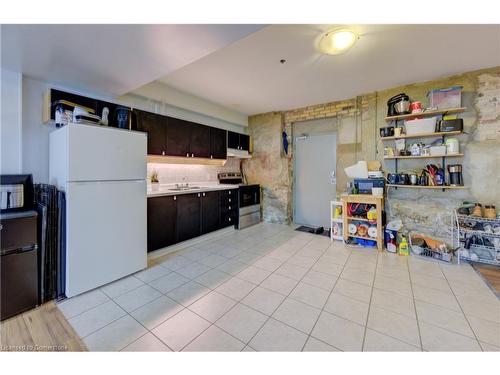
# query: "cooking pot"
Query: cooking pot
402,106
387,131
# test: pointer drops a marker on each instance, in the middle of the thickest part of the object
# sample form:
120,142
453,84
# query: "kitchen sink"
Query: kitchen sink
184,188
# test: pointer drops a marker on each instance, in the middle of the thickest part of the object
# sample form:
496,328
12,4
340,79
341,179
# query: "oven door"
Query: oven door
249,195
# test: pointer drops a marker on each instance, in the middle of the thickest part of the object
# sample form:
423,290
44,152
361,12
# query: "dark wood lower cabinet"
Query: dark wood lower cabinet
188,216
173,219
210,211
162,213
229,213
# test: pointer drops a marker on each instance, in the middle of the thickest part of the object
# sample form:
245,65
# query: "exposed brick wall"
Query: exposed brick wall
488,105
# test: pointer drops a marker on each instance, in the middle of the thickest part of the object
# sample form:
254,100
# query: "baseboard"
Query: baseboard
193,241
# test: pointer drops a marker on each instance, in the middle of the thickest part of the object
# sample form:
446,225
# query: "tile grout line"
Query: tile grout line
370,303
162,294
463,312
287,296
415,307
326,301
211,324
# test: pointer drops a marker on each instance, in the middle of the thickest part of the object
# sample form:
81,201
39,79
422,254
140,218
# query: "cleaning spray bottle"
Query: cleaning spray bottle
403,246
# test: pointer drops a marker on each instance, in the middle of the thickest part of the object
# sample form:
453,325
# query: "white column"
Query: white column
10,122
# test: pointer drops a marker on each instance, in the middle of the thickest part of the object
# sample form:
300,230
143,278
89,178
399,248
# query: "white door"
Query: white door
315,178
98,153
105,232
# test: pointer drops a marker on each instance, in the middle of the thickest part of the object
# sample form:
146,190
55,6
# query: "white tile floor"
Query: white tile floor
270,288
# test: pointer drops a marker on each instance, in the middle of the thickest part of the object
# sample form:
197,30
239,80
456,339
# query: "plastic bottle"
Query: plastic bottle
403,247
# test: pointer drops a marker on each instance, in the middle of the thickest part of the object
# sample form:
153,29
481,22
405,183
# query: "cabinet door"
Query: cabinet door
210,211
233,140
218,143
162,217
188,216
200,141
155,126
178,137
244,142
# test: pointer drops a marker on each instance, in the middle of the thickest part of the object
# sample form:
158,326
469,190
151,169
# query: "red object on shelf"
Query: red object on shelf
415,107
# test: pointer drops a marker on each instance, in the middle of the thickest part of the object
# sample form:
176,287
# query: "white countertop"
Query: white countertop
166,189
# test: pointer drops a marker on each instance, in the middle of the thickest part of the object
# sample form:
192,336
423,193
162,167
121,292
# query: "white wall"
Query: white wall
163,93
35,134
10,125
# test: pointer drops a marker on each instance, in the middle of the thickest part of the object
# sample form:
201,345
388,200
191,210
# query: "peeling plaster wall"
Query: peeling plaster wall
360,120
268,167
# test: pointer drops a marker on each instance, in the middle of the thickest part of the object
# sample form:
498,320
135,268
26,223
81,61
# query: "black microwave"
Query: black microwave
249,195
16,192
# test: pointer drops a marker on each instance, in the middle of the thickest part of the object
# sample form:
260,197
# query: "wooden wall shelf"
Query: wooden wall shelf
424,156
421,135
426,187
427,113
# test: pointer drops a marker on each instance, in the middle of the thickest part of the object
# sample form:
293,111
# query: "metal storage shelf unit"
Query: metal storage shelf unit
488,253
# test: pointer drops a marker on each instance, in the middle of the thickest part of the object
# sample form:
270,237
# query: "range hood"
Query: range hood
240,154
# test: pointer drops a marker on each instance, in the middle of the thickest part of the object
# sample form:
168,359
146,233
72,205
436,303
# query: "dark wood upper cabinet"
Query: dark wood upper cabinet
233,140
178,137
175,137
188,216
199,146
238,141
218,143
210,211
155,126
162,217
244,142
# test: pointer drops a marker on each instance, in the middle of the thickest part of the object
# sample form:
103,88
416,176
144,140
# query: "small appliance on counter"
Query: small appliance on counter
398,105
249,199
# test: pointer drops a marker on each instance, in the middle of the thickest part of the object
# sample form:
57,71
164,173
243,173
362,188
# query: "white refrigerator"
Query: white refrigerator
103,173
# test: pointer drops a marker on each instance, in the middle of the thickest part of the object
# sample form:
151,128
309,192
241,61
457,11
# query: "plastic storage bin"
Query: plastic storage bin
438,150
425,125
450,97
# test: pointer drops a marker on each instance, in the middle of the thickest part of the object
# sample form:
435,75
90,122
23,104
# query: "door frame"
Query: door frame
334,129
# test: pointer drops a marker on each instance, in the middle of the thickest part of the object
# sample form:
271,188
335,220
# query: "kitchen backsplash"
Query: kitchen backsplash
181,173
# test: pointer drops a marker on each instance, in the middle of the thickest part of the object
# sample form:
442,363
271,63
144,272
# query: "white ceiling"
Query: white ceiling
111,59
248,77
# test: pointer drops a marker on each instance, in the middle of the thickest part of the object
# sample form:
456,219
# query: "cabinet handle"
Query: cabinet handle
229,207
203,194
211,157
229,219
175,197
192,155
199,195
229,200
229,192
163,152
187,155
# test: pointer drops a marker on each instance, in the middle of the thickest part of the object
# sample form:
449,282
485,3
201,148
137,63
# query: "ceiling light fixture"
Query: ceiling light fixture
337,41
